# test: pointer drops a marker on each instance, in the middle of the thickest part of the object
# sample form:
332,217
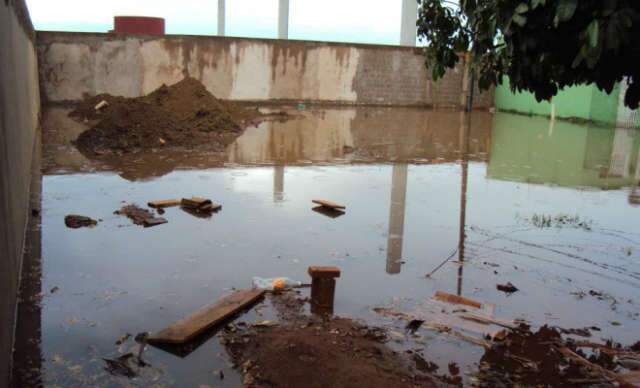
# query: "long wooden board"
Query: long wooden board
456,299
164,203
190,327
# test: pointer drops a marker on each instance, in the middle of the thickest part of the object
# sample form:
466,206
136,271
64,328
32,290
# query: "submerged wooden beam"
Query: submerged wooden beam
207,317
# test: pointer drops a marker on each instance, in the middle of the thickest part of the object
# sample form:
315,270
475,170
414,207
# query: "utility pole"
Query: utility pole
221,17
283,19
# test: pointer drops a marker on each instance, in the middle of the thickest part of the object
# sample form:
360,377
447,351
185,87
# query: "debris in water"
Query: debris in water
329,212
149,222
164,203
207,317
323,288
120,366
75,221
199,207
140,216
456,299
328,204
508,288
413,325
123,338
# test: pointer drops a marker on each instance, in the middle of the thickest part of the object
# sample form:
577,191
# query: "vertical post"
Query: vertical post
283,19
396,218
465,127
278,183
323,288
221,17
408,28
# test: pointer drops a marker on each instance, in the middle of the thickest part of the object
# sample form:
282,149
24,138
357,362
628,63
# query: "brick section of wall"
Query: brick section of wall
396,77
72,64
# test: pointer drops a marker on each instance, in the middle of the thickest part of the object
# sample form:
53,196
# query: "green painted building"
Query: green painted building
581,102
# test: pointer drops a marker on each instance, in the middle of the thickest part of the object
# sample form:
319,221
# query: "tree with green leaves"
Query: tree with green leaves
541,45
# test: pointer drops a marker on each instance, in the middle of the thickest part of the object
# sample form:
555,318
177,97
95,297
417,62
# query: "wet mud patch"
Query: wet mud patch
311,351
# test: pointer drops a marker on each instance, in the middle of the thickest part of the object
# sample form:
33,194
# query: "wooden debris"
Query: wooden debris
200,205
207,317
328,204
455,299
149,222
101,105
509,288
488,320
448,330
164,203
75,221
324,272
195,202
588,364
328,212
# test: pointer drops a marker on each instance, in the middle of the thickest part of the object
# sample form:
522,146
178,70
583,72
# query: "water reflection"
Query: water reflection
465,125
396,217
572,155
361,135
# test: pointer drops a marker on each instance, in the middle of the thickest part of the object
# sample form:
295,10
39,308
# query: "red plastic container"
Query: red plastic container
138,25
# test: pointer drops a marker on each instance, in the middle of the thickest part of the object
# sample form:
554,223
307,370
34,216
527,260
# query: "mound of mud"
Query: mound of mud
184,115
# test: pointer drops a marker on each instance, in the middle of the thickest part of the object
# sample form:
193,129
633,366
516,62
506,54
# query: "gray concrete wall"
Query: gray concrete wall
75,64
19,111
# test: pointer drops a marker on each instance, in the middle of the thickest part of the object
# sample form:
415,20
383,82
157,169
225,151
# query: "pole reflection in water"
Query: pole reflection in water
465,124
278,183
396,217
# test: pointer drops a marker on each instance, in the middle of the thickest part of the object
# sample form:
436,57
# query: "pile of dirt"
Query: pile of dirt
308,351
184,114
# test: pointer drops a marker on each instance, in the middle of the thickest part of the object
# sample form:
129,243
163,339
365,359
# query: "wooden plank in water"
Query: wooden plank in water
329,204
456,299
207,317
164,203
149,222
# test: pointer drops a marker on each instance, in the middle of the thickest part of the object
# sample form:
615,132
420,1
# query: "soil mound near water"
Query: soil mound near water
184,114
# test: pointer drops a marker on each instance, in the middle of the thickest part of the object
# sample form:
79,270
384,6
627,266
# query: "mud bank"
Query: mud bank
181,115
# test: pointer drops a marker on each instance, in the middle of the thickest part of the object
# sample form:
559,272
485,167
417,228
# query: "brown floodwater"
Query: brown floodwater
549,207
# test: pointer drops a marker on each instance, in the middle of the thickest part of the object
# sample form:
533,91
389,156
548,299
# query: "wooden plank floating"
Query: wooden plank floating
149,222
195,202
329,204
164,203
207,317
456,299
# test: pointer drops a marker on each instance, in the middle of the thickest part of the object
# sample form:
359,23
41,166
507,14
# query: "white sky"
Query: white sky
367,21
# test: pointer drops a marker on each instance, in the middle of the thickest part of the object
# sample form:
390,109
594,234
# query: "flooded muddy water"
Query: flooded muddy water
550,207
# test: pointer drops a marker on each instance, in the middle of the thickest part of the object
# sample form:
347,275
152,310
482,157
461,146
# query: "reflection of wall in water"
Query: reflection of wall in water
319,136
572,155
406,134
382,133
396,218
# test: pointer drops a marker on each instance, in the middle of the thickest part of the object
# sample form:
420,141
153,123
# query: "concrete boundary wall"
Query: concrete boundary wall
76,64
19,118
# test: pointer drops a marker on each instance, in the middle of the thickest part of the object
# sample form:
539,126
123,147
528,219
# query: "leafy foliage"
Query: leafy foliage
541,45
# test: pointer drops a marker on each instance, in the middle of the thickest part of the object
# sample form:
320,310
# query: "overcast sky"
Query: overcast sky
366,21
